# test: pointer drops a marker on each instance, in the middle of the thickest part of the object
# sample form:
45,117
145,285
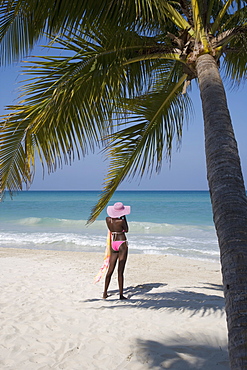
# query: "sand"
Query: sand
53,316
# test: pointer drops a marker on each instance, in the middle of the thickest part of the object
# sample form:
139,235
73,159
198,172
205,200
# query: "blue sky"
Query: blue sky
187,170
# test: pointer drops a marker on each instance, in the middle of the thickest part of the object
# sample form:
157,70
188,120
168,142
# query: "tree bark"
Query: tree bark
229,204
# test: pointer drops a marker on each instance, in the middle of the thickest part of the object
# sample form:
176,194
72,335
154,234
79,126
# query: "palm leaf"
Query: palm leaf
235,61
175,16
23,23
14,166
156,119
199,28
68,103
221,15
16,34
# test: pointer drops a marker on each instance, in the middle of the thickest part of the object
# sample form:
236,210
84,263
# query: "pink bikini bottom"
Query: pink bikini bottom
116,244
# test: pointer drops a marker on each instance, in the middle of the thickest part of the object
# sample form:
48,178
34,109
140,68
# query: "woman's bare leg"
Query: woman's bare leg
122,258
112,264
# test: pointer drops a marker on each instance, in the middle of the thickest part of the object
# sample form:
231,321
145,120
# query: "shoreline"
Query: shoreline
101,253
53,315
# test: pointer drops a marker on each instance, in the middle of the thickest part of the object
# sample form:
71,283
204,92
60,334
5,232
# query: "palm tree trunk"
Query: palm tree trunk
229,203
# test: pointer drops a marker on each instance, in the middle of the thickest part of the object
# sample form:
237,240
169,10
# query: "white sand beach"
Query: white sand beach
53,316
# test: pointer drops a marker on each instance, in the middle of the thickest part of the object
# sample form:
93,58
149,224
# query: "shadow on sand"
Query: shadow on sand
198,352
152,296
186,355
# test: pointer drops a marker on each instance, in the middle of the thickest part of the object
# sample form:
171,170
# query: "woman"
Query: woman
117,224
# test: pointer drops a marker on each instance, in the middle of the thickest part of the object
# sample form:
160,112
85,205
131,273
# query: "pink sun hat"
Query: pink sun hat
118,210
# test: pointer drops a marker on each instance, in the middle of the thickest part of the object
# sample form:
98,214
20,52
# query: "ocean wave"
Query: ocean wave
47,221
165,228
100,225
56,241
57,223
84,241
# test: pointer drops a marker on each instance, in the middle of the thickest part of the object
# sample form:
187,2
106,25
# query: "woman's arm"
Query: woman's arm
125,224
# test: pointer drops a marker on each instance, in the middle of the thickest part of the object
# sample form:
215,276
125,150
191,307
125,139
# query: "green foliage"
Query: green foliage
119,81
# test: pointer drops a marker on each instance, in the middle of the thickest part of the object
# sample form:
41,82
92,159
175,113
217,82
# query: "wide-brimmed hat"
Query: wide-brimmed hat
118,210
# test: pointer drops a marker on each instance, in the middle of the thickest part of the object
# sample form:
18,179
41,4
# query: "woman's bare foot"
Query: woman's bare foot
122,297
105,296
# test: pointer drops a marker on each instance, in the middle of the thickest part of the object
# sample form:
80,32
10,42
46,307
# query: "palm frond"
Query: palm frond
235,61
199,28
207,13
15,167
176,17
68,101
231,15
221,16
155,120
16,34
22,23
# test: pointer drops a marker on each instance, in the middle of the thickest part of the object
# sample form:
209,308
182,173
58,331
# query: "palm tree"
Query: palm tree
122,81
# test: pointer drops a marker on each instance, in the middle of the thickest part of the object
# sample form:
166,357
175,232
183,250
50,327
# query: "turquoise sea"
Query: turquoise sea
161,222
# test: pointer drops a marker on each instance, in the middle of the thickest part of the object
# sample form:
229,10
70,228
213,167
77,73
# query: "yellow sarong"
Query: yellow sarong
106,262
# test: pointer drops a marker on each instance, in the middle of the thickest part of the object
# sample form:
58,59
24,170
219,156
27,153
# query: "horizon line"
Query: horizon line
99,190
